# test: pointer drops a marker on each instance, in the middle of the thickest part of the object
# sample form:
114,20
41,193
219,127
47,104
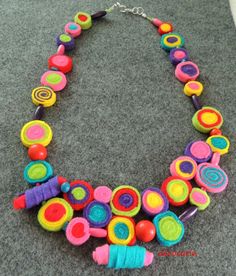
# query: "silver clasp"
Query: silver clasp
125,9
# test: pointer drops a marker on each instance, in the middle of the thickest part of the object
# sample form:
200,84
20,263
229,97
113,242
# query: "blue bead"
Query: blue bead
65,187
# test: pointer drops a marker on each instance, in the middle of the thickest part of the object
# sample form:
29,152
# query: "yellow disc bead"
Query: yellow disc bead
193,88
43,95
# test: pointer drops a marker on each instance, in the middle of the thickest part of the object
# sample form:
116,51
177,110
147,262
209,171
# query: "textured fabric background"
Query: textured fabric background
122,119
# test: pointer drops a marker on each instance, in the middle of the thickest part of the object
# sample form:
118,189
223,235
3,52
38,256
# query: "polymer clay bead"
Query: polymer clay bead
62,63
54,79
103,194
188,213
66,40
178,55
122,256
199,198
206,119
98,214
169,228
98,15
121,230
36,132
184,167
171,40
37,172
186,71
154,201
37,152
54,214
199,150
165,28
218,143
73,29
78,231
125,201
79,195
84,20
177,190
193,88
145,231
43,95
38,113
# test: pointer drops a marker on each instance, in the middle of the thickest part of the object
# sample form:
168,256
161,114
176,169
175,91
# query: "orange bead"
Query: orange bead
145,230
165,28
215,131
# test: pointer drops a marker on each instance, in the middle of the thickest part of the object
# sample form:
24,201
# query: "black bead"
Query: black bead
196,102
98,14
38,114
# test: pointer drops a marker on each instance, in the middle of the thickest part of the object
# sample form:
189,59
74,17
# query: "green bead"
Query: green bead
84,20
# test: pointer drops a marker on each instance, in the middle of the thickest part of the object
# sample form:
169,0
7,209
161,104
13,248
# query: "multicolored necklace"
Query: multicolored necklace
106,213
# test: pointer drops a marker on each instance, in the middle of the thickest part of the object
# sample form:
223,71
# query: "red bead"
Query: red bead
165,28
37,152
145,230
215,131
61,62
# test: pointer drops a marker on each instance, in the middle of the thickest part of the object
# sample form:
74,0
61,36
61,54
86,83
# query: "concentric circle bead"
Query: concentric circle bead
186,71
43,95
199,198
193,88
178,55
84,20
199,150
66,40
172,40
73,29
165,28
54,79
184,167
218,143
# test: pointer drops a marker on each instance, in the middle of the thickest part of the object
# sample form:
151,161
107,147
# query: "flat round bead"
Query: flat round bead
199,150
184,167
171,40
103,194
193,88
178,55
43,95
165,28
84,20
186,71
73,29
37,152
54,79
206,119
218,143
66,40
36,132
199,198
62,63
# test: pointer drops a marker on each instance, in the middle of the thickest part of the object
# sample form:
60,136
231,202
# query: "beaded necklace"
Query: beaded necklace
106,213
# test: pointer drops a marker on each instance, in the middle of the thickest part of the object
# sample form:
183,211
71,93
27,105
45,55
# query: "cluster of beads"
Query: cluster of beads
110,213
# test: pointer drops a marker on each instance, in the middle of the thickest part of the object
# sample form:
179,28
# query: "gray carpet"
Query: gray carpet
122,119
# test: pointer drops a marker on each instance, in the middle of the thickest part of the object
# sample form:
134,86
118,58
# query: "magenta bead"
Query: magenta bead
186,71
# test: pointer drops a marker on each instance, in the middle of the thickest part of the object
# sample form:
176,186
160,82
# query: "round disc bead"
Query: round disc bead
165,28
37,152
178,55
43,95
199,198
186,71
54,79
84,20
199,150
73,29
171,40
218,143
193,88
36,132
206,119
184,167
145,231
66,40
62,63
103,194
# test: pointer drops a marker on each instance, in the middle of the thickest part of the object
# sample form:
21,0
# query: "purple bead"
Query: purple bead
196,102
43,192
97,213
178,55
39,112
188,213
202,151
67,40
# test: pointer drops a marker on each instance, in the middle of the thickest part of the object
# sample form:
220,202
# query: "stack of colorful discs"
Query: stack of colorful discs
154,201
177,190
54,214
36,132
84,20
199,198
218,143
79,195
199,150
43,95
98,214
186,71
125,201
171,40
211,177
38,172
169,229
73,29
121,230
184,167
206,119
54,79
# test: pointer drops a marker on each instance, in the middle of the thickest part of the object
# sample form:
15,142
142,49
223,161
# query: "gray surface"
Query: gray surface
122,120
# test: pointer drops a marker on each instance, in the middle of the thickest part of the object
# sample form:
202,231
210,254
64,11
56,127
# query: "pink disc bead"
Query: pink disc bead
77,231
73,29
184,167
186,71
102,194
61,50
54,79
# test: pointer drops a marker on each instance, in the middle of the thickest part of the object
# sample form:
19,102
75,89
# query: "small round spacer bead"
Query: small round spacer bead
215,131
